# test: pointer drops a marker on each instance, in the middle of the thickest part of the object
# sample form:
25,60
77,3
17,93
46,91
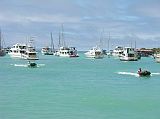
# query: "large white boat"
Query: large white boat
157,57
118,51
95,52
67,52
129,54
64,50
23,51
2,51
30,54
48,50
17,50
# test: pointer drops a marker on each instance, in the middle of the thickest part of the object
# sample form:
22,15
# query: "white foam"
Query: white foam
41,64
20,65
155,73
26,65
128,73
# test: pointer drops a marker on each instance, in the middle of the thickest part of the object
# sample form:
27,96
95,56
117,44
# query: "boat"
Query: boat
23,51
32,64
64,50
67,52
95,52
48,50
157,57
2,51
118,51
17,50
129,54
30,52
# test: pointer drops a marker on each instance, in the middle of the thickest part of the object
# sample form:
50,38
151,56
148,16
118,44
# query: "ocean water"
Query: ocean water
79,88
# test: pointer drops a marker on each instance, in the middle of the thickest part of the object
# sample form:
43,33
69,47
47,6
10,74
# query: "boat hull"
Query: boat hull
128,59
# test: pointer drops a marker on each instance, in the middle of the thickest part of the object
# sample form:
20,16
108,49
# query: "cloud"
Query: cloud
83,20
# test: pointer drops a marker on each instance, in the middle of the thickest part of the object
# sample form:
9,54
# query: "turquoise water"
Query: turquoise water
78,88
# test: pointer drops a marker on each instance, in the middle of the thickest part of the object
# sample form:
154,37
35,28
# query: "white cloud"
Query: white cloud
85,19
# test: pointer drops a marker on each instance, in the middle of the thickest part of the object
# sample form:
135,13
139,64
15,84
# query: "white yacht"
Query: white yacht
67,52
157,57
23,51
129,54
46,51
17,50
118,51
95,52
64,50
30,54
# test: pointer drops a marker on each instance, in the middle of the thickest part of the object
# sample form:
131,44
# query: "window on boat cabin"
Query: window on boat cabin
21,51
32,53
71,52
130,55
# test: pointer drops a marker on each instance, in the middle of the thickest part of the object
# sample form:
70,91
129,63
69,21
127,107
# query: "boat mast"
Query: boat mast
108,41
100,42
63,41
59,40
135,44
52,44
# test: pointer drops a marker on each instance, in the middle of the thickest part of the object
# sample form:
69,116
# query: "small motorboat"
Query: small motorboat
144,73
32,64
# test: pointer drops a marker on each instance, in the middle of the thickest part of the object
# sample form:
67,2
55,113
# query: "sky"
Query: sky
85,22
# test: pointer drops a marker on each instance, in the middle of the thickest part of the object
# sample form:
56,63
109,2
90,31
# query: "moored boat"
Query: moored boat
157,57
67,52
95,52
24,51
129,54
48,50
64,50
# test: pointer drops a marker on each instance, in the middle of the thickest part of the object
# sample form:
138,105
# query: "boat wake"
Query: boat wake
128,73
26,65
40,65
20,65
135,74
155,74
